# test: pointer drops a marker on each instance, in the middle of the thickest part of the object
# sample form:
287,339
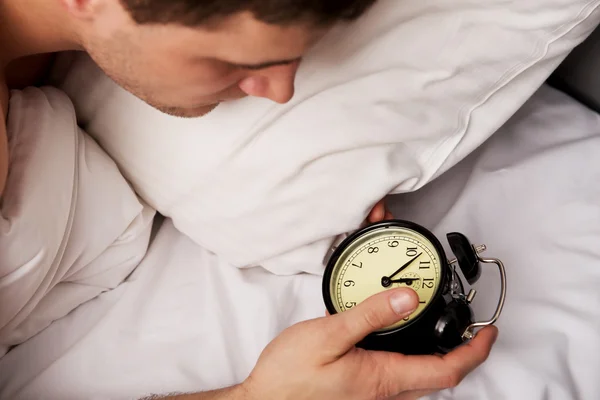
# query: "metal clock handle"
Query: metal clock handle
468,334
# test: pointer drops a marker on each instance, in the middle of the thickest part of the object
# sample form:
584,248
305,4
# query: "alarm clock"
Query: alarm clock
397,253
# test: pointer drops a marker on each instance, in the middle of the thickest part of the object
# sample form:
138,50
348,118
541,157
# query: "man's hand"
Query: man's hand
379,213
318,360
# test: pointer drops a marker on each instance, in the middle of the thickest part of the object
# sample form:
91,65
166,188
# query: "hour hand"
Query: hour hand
404,280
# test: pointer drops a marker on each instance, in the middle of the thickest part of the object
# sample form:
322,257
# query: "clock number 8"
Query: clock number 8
373,250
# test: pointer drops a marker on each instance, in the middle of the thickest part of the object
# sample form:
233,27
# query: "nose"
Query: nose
274,83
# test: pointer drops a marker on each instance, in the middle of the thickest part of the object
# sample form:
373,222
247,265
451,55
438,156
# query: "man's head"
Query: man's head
185,56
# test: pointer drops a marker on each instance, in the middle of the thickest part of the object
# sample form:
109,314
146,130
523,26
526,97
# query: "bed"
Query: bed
188,319
177,325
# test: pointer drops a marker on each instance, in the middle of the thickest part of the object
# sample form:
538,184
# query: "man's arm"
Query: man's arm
18,74
3,138
317,359
237,392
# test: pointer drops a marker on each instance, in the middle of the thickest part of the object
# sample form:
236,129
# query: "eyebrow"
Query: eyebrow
267,64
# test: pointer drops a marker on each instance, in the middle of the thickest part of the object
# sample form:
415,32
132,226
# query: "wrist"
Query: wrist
244,391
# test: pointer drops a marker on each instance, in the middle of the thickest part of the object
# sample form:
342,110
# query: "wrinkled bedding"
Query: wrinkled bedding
186,320
71,227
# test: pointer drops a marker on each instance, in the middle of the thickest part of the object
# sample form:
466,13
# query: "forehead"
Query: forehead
241,39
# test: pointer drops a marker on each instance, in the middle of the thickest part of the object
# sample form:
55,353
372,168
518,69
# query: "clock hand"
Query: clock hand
404,280
402,268
386,280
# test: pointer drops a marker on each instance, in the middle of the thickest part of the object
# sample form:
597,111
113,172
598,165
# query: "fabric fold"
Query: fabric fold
71,227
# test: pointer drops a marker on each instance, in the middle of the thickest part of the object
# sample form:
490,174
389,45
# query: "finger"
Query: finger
472,354
376,312
436,373
388,215
378,212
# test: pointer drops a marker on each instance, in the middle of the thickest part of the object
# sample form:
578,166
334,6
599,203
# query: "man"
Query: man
184,57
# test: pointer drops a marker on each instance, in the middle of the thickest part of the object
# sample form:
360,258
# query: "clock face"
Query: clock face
385,257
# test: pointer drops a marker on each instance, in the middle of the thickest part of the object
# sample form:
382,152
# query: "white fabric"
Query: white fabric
532,196
188,321
70,225
382,105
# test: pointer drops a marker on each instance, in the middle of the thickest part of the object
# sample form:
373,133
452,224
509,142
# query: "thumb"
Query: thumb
375,313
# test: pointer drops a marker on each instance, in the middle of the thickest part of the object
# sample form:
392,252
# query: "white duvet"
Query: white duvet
186,321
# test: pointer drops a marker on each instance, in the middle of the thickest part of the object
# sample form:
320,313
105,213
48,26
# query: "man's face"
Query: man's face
187,71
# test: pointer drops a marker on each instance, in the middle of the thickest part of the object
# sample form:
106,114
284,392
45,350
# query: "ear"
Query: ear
84,9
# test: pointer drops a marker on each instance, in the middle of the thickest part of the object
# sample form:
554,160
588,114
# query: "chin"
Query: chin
185,112
196,111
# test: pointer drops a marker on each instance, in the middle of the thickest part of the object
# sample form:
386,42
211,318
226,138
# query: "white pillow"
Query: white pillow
70,225
383,105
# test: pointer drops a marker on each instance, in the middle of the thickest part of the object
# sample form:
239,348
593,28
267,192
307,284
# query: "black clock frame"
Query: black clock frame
416,336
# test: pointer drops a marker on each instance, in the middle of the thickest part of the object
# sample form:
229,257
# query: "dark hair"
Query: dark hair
280,12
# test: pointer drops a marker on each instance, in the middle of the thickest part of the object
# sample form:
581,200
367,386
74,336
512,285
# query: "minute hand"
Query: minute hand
404,266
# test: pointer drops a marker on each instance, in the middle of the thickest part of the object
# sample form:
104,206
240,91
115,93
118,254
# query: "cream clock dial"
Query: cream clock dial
397,253
382,259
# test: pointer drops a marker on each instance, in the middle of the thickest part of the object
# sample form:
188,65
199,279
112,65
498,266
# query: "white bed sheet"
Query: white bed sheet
187,321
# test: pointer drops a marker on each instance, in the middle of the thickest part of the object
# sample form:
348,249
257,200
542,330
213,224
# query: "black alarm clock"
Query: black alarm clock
397,253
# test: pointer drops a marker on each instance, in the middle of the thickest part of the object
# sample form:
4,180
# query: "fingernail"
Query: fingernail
402,303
